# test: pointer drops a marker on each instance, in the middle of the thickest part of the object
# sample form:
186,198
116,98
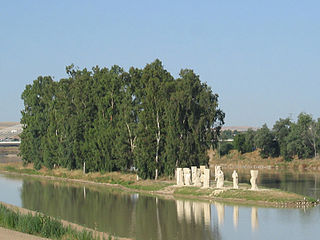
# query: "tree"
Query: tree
281,130
239,143
303,139
265,140
38,99
151,125
115,120
249,140
244,142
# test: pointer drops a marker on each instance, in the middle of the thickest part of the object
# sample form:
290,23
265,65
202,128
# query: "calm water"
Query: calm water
146,217
304,183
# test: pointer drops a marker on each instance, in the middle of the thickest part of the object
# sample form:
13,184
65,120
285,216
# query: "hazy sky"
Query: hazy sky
261,57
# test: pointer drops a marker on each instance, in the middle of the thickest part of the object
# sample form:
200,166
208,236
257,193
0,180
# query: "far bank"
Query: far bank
253,160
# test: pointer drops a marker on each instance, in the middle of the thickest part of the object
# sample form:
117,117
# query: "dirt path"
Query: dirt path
13,235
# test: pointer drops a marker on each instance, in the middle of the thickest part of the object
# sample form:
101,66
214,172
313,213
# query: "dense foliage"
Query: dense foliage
115,120
286,139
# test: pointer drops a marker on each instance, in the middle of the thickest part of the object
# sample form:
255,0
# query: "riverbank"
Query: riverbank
128,182
253,160
41,226
15,235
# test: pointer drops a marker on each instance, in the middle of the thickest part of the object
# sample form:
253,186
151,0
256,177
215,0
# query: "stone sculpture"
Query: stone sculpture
253,179
206,181
193,174
216,168
179,177
187,176
197,181
202,168
220,178
235,179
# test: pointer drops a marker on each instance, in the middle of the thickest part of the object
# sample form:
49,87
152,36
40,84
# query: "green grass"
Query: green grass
193,191
41,225
154,187
24,170
272,196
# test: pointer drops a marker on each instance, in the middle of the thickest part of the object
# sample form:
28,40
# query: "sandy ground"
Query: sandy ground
7,234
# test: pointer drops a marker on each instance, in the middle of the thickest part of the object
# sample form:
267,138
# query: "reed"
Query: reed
41,225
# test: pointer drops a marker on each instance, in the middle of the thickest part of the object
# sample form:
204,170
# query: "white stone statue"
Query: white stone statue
179,177
202,168
220,178
216,168
197,181
193,174
206,181
235,179
187,176
253,179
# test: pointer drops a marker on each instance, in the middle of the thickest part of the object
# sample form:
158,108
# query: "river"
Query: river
145,217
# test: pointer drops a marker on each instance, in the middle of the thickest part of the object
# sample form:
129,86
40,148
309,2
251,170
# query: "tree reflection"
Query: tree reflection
119,213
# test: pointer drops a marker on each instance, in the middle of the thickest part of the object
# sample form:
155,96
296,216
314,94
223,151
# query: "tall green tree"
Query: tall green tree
265,140
37,99
304,137
114,120
281,131
151,125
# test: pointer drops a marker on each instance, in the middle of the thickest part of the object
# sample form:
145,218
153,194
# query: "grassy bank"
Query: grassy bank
128,182
264,196
41,225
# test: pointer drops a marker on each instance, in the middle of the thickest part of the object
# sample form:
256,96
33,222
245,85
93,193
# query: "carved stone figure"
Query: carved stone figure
193,174
220,178
216,168
187,176
206,182
202,168
235,179
253,179
197,181
179,177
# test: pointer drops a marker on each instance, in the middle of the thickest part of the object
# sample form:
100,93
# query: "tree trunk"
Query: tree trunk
132,146
158,136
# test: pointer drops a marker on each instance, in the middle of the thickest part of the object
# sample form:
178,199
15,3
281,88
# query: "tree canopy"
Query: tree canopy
115,120
287,139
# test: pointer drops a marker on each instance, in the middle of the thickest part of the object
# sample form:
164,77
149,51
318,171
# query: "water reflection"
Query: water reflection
192,211
147,217
125,215
220,212
235,216
254,218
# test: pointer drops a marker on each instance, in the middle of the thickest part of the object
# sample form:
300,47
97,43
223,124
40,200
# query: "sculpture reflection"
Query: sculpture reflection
235,216
220,212
254,218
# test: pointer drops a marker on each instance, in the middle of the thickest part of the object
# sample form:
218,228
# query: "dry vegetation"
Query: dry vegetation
236,160
7,124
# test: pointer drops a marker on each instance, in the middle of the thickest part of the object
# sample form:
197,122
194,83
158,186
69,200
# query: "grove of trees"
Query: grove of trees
115,120
286,139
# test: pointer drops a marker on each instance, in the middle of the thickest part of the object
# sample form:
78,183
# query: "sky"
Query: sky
261,57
